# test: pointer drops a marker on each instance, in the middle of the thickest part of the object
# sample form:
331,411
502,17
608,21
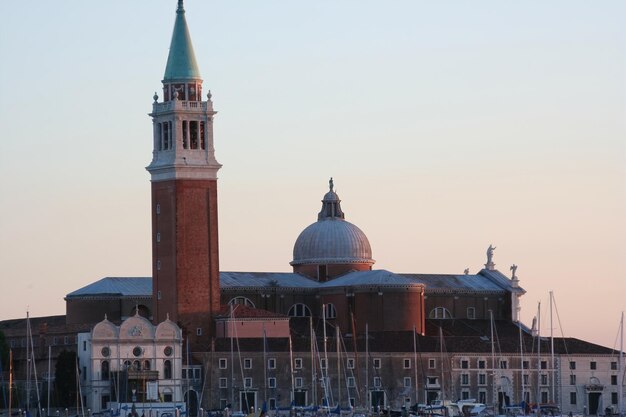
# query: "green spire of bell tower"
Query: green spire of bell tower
181,61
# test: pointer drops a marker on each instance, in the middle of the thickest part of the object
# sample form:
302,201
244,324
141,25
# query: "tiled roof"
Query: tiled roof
265,279
484,281
116,286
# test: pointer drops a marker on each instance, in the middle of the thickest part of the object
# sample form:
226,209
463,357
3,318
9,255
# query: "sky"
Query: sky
447,127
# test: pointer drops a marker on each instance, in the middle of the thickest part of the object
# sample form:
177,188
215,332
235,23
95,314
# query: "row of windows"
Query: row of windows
593,365
299,382
54,341
573,398
444,313
105,368
298,363
193,135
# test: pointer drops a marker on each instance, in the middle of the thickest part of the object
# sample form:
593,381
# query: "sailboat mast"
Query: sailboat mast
521,354
620,395
493,361
537,398
264,365
49,378
337,333
415,361
367,368
27,361
232,358
313,367
443,389
293,392
327,391
10,380
552,376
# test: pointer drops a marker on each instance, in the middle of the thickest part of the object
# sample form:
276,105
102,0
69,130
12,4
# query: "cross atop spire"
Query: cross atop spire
180,7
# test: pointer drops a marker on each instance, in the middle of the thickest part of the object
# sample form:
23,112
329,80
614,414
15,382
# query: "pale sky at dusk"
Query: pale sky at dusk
447,126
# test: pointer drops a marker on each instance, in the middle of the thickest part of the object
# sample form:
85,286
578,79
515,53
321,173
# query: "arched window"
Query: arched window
146,365
330,311
104,370
242,300
167,369
127,365
299,310
439,313
136,366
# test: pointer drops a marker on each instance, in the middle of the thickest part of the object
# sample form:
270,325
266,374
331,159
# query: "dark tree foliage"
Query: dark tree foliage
65,379
4,352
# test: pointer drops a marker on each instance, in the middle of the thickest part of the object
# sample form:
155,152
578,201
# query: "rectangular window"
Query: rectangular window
84,345
525,364
352,402
158,295
298,382
196,373
465,395
376,363
544,396
482,397
526,379
614,398
432,380
471,313
223,403
544,364
199,331
572,365
158,237
377,383
271,363
482,364
271,382
223,382
184,373
272,403
503,364
464,379
247,363
572,398
592,365
572,379
66,340
297,363
351,382
613,379
350,363
185,142
464,364
544,381
84,373
223,363
432,363
613,366
323,363
482,379
247,382
407,381
407,363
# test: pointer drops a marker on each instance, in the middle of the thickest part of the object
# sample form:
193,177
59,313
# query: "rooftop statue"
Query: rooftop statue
490,250
513,269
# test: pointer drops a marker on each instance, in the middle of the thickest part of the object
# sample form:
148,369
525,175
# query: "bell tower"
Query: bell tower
185,256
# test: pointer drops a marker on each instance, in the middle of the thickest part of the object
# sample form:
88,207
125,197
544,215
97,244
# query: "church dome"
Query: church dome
332,239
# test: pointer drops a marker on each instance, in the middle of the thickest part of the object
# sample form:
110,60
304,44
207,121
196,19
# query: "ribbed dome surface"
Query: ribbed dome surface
332,241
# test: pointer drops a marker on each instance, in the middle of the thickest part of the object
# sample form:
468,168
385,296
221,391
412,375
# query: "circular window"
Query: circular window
168,351
137,351
105,352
